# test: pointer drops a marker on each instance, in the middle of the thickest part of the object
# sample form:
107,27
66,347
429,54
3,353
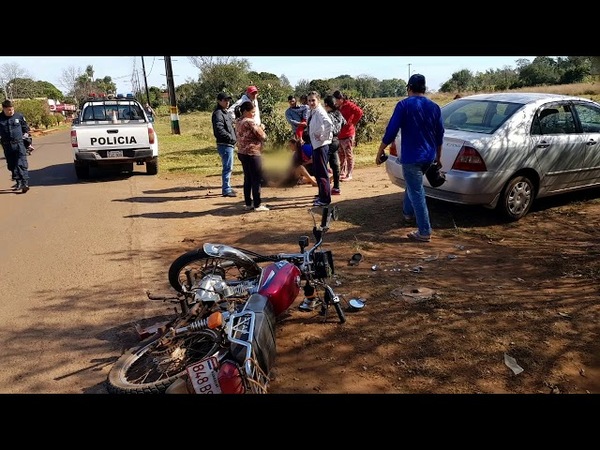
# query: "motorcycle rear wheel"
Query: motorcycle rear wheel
152,367
199,265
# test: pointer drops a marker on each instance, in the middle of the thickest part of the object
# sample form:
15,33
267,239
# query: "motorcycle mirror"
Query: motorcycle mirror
356,304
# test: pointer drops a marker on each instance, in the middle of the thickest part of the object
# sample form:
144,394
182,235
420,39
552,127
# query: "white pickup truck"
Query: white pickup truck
113,131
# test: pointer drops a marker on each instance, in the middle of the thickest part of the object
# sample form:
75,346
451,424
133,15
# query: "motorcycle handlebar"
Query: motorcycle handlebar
296,257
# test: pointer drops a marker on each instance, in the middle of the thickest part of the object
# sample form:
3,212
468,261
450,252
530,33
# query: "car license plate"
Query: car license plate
203,376
114,154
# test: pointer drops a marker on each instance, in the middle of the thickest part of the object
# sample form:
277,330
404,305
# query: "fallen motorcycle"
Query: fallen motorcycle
223,339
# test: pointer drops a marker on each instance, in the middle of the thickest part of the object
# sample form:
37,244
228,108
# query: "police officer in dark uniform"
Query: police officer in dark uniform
13,131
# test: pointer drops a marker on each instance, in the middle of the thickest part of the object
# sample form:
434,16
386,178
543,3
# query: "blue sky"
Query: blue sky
437,69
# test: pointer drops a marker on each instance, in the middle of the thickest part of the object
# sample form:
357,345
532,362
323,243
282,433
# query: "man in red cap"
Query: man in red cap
251,95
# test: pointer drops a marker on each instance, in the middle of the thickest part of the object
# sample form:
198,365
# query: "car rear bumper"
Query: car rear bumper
463,188
101,156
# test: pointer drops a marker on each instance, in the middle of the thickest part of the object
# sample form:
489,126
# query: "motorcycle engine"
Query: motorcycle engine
211,289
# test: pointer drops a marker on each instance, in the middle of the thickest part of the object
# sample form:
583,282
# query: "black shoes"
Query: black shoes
230,194
21,185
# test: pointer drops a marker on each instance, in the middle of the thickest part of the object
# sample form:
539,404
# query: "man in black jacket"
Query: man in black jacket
13,130
224,132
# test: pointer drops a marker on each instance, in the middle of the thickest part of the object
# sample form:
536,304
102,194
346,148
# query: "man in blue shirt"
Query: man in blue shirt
296,115
419,121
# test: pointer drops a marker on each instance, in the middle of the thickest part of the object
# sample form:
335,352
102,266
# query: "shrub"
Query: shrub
365,129
33,110
277,128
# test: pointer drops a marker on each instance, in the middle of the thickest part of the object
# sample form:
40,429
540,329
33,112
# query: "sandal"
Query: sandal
416,236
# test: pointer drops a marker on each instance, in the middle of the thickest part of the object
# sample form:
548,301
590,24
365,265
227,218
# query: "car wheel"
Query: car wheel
516,198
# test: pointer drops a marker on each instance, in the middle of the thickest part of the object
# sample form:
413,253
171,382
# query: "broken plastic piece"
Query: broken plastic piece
511,363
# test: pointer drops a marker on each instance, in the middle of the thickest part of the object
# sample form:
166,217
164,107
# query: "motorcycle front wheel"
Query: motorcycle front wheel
152,367
194,265
336,305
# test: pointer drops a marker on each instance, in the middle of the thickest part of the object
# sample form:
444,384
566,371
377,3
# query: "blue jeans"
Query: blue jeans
414,197
226,153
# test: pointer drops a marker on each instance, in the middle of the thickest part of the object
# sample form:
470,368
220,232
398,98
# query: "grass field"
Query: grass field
193,151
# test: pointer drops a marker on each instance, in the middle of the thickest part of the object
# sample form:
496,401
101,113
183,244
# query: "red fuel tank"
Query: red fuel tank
280,283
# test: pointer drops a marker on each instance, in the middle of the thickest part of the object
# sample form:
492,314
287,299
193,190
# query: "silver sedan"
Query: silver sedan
504,150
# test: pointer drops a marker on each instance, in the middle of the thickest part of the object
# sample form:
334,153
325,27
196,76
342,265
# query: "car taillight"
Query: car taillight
73,138
151,135
470,160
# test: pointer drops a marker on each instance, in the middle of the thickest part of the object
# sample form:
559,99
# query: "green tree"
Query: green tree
595,65
323,87
344,83
574,69
542,71
302,87
21,88
367,86
185,94
48,90
231,76
105,85
285,83
460,81
391,88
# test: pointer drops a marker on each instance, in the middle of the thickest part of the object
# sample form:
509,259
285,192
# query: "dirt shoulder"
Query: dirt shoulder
441,317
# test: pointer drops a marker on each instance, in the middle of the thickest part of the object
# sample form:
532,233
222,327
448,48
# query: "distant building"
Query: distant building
65,109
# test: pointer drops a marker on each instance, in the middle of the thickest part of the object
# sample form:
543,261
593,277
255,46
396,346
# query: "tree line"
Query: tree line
233,74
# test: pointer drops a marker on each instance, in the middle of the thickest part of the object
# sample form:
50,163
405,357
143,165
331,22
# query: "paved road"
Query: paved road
75,261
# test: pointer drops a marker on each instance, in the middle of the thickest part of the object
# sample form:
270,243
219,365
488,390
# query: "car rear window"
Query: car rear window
105,112
479,116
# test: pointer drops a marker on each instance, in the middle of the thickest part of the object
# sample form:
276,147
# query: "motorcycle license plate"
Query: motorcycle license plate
114,154
203,376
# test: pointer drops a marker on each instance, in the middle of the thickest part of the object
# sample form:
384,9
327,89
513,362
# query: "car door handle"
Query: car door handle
543,144
591,142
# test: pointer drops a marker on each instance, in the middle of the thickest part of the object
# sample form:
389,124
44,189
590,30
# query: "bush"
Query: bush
277,128
33,110
48,120
365,129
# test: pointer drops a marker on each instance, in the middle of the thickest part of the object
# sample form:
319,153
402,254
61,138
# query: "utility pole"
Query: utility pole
409,64
145,81
172,99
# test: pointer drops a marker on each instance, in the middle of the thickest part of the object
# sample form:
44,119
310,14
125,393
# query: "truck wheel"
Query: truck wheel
82,170
152,166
